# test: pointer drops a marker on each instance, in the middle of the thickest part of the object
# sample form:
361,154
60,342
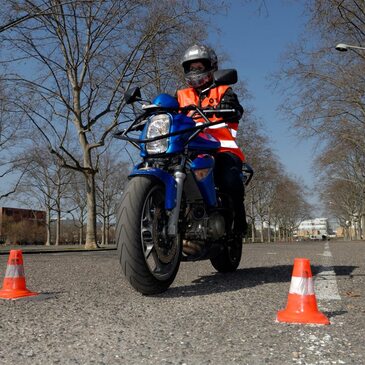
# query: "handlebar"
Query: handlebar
206,111
122,134
137,125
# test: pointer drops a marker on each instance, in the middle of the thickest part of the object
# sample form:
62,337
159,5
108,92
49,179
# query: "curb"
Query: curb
53,249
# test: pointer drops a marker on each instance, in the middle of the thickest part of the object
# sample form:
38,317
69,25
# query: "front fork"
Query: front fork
174,189
179,176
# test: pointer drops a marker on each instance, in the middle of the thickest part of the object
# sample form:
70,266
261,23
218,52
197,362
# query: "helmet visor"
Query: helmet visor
198,78
188,65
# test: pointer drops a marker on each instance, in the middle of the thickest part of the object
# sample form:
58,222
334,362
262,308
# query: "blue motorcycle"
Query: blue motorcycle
171,210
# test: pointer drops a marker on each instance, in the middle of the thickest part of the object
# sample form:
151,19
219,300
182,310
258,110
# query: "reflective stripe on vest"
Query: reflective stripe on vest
221,125
225,133
229,144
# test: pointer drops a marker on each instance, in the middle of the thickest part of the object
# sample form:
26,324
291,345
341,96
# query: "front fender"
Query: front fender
167,179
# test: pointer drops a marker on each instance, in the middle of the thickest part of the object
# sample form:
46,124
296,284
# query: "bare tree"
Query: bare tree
83,56
268,172
289,206
343,183
45,184
10,133
326,101
342,200
33,11
109,188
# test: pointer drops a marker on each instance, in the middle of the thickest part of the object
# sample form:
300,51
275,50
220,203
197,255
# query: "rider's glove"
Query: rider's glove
230,101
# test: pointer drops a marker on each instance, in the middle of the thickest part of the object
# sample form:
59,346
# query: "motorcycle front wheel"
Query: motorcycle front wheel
149,258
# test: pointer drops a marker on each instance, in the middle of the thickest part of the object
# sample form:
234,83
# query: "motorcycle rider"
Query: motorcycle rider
199,63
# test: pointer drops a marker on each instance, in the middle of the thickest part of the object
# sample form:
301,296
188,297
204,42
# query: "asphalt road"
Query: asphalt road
88,314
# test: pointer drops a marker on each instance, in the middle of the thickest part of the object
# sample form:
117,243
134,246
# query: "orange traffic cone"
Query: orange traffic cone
302,303
14,283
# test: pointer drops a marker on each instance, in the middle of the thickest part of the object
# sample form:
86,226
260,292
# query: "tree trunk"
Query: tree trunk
252,222
58,204
81,233
350,232
275,232
358,229
48,227
107,230
91,211
103,232
269,226
262,230
347,233
58,227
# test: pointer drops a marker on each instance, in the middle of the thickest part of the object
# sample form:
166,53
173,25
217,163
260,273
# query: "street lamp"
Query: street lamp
342,47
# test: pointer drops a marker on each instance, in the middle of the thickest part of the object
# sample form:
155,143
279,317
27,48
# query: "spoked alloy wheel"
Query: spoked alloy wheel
160,251
149,258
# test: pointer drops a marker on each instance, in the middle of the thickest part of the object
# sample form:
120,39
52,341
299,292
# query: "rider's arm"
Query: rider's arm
230,101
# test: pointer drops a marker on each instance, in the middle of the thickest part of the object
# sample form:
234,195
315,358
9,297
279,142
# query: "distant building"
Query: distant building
22,225
317,228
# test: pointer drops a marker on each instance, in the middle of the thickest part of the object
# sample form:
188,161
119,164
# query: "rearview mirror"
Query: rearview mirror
132,95
225,77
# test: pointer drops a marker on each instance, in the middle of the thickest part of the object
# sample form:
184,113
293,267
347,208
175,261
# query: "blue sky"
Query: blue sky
255,44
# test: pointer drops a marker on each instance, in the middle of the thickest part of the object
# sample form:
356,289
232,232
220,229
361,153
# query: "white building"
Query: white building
314,228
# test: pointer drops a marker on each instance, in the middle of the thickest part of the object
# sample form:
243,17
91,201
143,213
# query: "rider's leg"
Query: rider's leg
228,178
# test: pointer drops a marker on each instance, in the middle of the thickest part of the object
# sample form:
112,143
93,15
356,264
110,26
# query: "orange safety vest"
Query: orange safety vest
225,133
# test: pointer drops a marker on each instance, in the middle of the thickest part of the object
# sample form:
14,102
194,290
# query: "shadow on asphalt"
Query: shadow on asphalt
339,270
244,278
335,313
41,296
45,296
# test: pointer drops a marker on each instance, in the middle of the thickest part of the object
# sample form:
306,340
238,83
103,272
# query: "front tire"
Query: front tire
229,259
148,257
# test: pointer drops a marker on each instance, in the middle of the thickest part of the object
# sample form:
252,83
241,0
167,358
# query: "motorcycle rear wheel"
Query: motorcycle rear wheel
229,259
149,258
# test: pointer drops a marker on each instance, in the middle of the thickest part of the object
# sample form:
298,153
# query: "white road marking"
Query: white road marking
325,283
316,345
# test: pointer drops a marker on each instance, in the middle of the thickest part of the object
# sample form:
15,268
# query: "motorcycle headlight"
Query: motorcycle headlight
158,125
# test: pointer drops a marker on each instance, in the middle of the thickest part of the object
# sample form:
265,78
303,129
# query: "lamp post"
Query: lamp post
343,47
360,222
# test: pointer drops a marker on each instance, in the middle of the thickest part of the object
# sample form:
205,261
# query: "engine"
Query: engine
202,226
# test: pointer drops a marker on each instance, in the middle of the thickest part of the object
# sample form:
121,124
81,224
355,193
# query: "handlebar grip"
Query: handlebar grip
218,111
